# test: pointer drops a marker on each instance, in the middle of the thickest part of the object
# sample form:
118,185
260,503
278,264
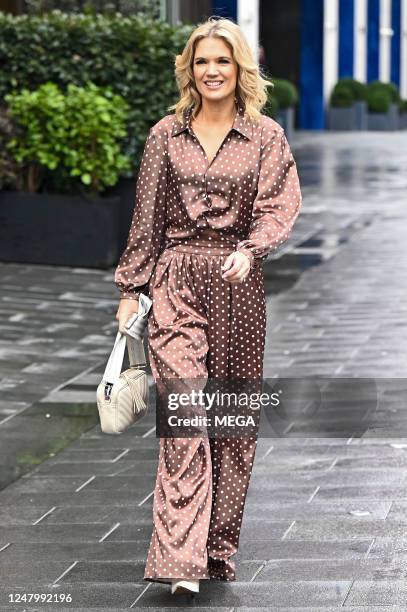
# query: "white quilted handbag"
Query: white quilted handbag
122,397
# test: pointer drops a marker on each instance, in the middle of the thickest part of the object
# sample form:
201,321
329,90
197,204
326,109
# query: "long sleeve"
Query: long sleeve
147,229
277,202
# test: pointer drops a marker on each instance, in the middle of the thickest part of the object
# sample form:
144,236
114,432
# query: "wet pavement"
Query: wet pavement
325,521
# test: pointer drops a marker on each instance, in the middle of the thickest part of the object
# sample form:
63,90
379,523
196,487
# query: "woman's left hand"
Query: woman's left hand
236,267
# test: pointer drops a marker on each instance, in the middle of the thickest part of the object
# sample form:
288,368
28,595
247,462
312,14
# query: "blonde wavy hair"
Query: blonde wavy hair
251,86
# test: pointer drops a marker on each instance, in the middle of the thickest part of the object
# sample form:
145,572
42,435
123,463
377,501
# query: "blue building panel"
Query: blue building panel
225,8
346,44
395,41
373,24
311,111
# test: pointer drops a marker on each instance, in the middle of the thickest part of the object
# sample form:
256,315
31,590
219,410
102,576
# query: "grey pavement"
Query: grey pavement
325,524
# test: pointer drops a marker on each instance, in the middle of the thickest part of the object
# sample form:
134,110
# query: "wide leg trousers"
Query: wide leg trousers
202,326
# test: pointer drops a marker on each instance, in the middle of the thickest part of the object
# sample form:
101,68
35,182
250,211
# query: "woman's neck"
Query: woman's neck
213,114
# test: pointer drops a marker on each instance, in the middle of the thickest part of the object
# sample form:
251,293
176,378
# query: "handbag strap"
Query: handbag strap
135,349
134,344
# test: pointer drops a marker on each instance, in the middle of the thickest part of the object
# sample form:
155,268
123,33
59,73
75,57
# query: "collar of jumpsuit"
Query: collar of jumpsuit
241,124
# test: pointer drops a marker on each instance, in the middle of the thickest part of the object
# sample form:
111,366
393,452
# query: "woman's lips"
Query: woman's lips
213,84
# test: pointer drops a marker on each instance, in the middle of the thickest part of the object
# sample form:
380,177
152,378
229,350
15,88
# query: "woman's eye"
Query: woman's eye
222,61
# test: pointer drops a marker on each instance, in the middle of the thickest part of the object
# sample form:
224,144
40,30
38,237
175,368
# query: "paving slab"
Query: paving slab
378,592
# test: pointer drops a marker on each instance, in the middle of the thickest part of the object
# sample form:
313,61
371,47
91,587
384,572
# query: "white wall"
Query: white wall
248,20
360,41
385,36
330,46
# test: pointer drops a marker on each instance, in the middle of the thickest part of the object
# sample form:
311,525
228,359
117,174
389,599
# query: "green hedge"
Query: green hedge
378,100
10,173
125,7
285,93
377,94
281,96
132,55
381,95
357,88
346,92
341,96
271,107
70,134
390,88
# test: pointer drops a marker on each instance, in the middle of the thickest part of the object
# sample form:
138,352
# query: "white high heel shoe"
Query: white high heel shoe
184,586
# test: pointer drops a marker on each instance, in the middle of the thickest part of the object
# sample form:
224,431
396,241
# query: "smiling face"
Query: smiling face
215,71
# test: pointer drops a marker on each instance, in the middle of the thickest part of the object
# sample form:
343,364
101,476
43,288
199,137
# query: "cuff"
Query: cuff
127,295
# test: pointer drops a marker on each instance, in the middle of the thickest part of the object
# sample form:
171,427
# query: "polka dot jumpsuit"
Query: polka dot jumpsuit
189,214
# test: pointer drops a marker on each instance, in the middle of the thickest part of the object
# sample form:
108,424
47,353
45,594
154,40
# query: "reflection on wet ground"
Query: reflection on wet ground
347,180
40,432
282,273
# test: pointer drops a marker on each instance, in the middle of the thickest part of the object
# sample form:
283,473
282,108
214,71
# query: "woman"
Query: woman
217,190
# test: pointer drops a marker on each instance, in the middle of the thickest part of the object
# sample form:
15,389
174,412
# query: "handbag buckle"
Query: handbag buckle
108,391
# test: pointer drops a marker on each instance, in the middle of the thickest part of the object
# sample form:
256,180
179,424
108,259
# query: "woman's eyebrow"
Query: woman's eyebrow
220,57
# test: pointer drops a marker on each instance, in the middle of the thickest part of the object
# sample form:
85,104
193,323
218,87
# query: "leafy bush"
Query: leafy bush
390,88
271,107
341,96
133,55
274,106
73,134
285,92
403,106
150,8
357,89
9,168
378,100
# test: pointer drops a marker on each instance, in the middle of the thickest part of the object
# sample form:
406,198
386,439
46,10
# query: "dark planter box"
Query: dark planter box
125,189
361,115
59,229
394,117
378,121
341,119
285,117
389,121
403,121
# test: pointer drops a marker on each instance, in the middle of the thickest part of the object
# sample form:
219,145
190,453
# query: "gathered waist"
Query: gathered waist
209,244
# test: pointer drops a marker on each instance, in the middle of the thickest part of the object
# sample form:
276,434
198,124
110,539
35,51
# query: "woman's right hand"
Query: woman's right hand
124,312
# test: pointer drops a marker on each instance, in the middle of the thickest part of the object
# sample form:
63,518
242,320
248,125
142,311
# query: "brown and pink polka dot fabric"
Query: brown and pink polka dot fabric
249,193
189,215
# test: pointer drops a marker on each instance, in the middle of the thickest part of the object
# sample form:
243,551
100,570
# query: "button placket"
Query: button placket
207,196
195,139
